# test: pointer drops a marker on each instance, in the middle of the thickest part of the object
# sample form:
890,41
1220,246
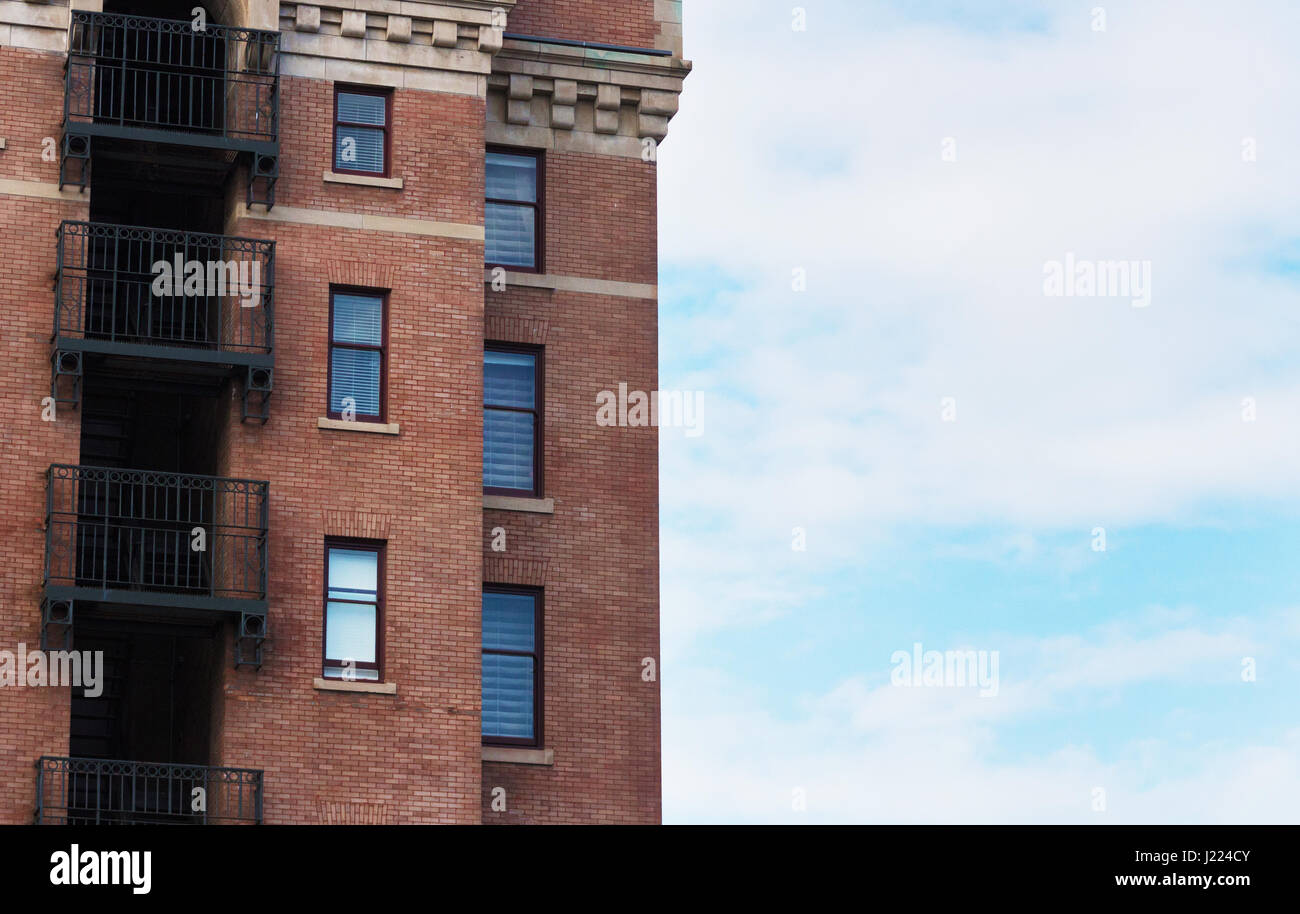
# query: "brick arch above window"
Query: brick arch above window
515,329
523,572
357,525
360,274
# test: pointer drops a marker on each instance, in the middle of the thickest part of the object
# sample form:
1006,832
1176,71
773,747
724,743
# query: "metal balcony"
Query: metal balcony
151,539
162,80
75,791
107,301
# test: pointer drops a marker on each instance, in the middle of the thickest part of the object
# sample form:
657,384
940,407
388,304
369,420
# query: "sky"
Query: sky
1102,492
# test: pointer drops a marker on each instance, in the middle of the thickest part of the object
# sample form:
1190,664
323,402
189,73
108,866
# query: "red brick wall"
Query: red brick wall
600,550
626,22
33,722
414,756
437,151
601,218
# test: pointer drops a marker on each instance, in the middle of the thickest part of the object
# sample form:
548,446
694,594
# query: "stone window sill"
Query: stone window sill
344,425
511,503
358,685
517,756
333,177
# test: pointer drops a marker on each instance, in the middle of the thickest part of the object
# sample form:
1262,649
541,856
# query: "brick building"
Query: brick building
333,504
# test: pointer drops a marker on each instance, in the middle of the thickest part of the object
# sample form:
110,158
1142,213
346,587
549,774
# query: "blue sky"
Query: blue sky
1169,137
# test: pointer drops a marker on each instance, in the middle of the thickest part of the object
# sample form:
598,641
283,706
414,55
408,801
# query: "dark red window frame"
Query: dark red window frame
537,654
387,96
382,348
356,545
538,411
538,207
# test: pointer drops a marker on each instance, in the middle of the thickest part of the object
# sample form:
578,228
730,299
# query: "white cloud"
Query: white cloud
925,276
822,151
868,751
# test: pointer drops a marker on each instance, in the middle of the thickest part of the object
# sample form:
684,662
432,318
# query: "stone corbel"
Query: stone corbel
308,18
654,111
444,34
490,39
564,104
399,28
354,24
519,104
609,99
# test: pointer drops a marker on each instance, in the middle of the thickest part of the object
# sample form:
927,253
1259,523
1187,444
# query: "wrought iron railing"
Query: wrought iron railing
75,791
158,287
145,531
133,72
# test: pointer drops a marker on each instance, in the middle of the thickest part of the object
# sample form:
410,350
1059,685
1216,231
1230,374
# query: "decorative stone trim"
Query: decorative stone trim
516,755
353,24
36,25
520,103
360,685
668,16
399,28
308,19
581,99
356,425
524,505
581,284
392,43
364,221
333,177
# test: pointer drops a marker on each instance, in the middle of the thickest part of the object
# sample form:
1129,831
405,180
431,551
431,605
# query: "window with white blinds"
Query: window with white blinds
356,383
360,132
511,665
511,416
352,607
512,214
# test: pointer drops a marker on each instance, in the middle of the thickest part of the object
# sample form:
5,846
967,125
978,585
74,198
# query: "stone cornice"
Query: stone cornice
37,25
582,98
443,46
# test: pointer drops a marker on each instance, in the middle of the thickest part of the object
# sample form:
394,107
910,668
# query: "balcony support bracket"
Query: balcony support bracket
56,624
74,162
65,363
263,172
248,646
257,394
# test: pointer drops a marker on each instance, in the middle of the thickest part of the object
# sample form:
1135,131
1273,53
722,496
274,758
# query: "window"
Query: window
512,427
512,665
357,365
512,219
354,572
361,131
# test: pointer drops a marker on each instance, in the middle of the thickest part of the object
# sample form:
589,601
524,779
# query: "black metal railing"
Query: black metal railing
133,72
158,287
143,531
75,791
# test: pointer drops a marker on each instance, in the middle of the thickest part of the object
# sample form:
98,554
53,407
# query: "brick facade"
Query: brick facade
413,754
